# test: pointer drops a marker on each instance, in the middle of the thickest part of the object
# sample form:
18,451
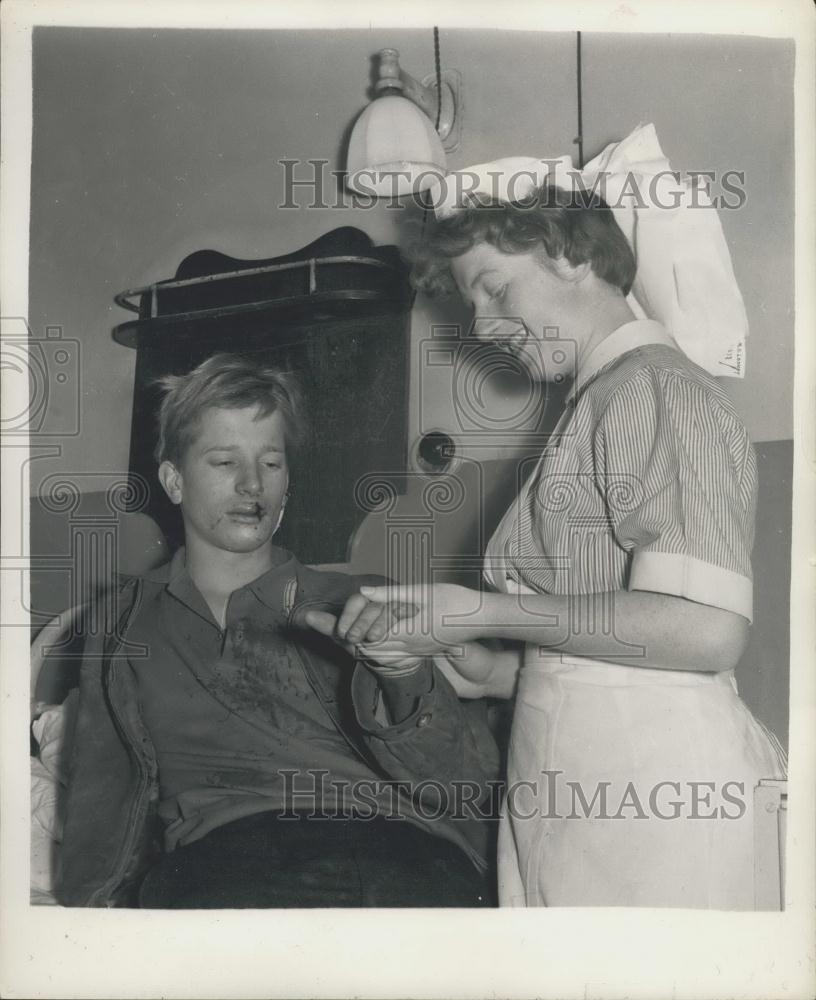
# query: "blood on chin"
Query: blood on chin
245,528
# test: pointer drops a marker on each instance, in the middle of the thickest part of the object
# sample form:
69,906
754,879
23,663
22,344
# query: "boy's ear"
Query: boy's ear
170,478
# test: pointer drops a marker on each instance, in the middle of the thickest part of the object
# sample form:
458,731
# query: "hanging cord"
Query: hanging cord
580,137
438,67
426,203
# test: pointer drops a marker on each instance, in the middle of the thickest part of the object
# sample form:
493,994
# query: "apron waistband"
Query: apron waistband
584,670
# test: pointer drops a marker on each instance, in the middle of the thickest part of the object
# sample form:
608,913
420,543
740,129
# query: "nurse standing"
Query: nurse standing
623,567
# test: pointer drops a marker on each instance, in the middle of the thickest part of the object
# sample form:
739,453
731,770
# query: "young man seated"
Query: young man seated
228,753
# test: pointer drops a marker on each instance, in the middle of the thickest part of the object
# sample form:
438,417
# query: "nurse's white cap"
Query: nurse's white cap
684,277
512,178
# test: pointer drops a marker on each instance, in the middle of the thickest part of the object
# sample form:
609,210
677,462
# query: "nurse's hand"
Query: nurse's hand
467,668
476,671
446,615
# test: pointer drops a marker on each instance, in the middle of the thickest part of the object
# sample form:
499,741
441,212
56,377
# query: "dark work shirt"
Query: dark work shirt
230,711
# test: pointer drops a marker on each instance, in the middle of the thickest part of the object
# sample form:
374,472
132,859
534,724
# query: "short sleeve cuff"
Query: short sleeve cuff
695,579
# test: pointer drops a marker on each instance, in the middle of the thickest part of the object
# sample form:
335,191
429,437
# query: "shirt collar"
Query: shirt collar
168,571
270,587
636,333
180,584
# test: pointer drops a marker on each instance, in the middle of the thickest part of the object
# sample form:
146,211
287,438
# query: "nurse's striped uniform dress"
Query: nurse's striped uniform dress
633,786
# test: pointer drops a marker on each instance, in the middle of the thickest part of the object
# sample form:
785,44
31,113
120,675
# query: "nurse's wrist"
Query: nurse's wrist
536,618
500,612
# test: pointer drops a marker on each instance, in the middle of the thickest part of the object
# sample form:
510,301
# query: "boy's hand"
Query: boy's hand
364,621
360,629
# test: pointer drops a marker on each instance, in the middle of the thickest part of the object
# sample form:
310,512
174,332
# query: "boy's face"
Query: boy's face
232,480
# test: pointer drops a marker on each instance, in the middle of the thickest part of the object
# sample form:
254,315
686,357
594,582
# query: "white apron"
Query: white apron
627,786
642,788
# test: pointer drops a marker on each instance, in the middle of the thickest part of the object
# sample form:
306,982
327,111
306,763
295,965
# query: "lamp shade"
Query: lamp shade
394,149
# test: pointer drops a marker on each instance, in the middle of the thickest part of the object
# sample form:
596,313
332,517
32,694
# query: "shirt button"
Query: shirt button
423,720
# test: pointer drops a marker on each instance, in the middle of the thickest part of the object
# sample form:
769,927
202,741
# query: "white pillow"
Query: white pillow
47,779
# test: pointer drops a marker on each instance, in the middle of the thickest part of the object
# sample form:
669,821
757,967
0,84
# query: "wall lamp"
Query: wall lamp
398,143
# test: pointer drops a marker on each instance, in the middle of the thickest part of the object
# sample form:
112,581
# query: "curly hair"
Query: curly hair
229,381
551,221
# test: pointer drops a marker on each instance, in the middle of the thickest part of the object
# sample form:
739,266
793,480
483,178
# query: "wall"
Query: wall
763,672
148,145
720,103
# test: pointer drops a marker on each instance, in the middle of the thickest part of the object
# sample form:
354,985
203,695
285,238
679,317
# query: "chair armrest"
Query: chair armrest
50,637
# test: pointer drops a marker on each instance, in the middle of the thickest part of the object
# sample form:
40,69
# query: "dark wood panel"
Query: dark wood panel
354,378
